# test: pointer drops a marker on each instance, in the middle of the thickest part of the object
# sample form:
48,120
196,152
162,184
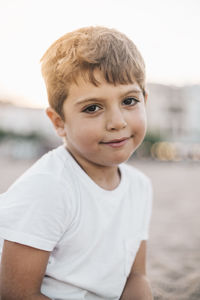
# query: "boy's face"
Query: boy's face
103,125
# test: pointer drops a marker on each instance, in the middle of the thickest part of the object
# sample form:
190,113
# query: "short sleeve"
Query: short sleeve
35,212
147,210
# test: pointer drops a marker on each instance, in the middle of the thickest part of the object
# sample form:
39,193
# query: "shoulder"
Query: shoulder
136,175
50,171
52,163
47,182
38,208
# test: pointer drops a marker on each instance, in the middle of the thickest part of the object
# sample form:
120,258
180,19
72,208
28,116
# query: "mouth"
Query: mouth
116,143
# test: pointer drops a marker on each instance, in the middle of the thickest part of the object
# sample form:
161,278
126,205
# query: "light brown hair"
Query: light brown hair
81,52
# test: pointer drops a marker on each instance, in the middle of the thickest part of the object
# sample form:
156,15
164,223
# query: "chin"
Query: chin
119,159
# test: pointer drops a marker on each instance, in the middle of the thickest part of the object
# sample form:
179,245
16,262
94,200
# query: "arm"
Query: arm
137,286
21,273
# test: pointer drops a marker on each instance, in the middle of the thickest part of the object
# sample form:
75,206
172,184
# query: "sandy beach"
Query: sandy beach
174,245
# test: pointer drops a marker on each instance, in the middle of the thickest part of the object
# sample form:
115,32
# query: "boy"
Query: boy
75,224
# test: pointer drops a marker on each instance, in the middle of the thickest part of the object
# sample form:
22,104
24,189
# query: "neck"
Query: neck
107,177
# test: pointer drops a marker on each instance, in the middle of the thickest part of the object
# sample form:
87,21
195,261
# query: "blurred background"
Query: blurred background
167,34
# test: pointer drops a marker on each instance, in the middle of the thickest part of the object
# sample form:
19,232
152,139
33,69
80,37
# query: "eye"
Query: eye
91,109
130,101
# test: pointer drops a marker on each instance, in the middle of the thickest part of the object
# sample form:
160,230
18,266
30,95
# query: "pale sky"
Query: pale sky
167,33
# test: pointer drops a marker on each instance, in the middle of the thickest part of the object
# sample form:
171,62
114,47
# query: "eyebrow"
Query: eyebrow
81,101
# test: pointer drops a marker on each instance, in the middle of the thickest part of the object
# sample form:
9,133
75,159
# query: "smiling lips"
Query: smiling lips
117,143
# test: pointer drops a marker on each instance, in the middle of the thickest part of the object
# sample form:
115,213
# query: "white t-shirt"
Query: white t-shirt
93,234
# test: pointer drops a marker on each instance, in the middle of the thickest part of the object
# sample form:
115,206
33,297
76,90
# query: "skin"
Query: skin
137,285
21,273
93,118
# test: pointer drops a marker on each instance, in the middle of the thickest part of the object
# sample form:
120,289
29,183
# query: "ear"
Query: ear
57,121
146,96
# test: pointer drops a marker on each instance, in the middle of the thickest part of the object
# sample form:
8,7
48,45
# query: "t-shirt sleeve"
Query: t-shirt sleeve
35,212
147,209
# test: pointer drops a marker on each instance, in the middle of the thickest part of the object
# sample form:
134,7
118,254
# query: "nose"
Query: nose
115,120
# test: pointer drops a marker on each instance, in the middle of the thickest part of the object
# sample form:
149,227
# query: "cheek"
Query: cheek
139,122
83,134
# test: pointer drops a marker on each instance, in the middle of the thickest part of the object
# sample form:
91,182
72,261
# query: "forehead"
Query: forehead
84,88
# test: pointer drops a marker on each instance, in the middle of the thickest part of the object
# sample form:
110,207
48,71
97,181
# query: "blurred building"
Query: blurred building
24,120
25,132
173,112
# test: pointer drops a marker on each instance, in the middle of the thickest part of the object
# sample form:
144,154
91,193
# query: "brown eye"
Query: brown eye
130,101
91,108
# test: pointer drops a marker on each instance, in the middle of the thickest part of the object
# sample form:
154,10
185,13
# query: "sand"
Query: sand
174,245
173,262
